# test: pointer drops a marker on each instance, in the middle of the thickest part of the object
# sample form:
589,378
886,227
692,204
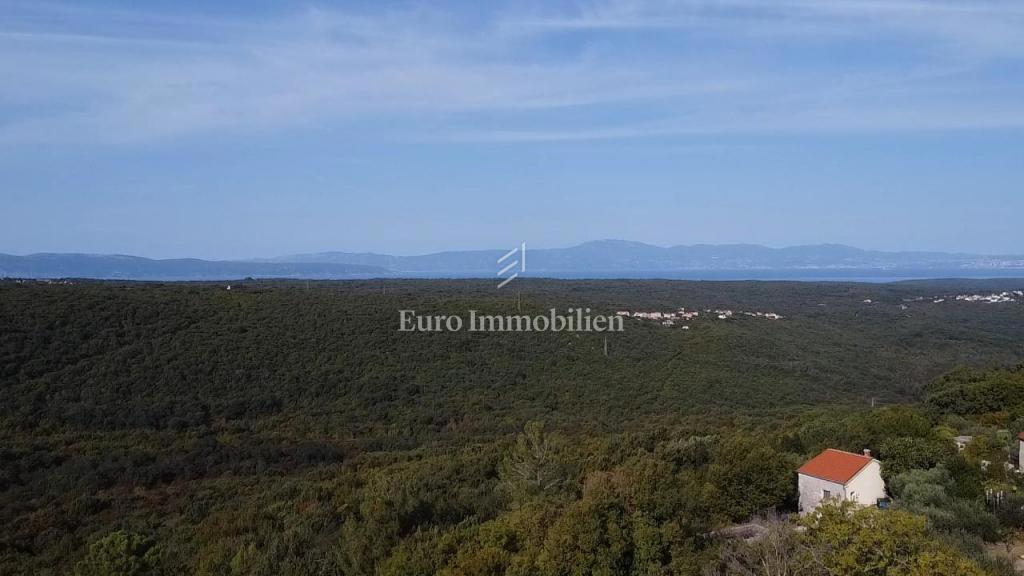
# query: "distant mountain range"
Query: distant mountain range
608,256
600,259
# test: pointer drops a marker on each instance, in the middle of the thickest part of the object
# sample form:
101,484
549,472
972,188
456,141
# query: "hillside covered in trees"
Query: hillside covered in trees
290,428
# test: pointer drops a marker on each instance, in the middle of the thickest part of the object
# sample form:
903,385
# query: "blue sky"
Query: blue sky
170,129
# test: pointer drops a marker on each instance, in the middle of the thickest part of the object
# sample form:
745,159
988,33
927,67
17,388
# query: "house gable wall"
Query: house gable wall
867,486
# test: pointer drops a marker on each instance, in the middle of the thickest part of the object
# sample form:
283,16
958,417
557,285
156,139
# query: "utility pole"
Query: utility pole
519,301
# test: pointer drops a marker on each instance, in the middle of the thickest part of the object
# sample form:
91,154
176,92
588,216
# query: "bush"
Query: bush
120,554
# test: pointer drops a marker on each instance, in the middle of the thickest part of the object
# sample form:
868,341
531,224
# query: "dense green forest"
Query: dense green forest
286,428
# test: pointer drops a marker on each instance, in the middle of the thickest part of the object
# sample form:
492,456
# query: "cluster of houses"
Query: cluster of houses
992,298
683,315
680,314
836,475
767,315
666,318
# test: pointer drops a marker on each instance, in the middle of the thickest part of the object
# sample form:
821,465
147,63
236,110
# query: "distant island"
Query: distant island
119,267
597,259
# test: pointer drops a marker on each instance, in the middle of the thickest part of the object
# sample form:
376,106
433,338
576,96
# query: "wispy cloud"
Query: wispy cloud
982,23
821,120
313,66
85,74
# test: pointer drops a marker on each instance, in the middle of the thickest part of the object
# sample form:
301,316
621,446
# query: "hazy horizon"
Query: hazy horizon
258,257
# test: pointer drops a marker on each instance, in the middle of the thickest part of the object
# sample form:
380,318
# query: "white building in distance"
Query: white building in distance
838,475
962,441
1020,451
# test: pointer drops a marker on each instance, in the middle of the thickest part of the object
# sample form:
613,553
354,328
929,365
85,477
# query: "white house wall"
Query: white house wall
867,486
812,490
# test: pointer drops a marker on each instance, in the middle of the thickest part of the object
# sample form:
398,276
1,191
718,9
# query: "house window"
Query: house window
826,494
853,496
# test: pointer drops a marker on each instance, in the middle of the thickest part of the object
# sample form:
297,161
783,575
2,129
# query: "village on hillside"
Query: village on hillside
684,315
991,298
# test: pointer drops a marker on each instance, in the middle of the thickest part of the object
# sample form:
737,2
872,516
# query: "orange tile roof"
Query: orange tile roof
835,465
